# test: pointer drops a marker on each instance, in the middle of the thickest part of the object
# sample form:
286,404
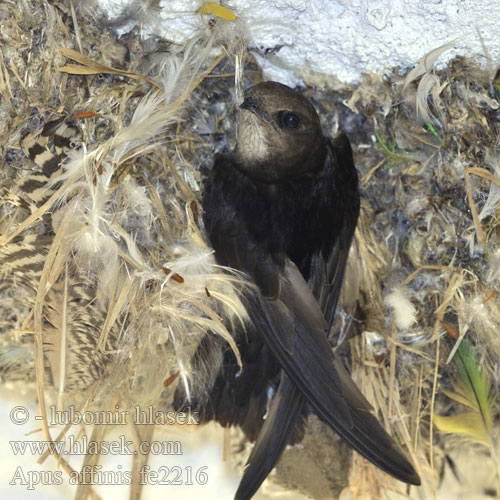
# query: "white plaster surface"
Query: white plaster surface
341,38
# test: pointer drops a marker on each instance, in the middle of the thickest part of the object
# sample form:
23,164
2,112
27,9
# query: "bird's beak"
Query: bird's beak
250,104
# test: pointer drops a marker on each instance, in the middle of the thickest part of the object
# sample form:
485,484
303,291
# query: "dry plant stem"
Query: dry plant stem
89,398
46,453
64,332
366,178
455,347
113,313
20,80
77,26
439,318
473,209
92,459
481,172
5,87
448,296
195,84
222,75
392,370
415,273
27,321
88,66
431,424
215,318
405,347
418,405
142,433
186,190
157,204
485,174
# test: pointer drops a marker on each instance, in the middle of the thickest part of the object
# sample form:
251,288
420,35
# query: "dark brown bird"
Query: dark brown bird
282,208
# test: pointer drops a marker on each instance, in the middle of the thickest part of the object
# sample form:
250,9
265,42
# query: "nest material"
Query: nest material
120,286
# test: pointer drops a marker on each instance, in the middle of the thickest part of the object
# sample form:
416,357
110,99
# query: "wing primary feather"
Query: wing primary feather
327,386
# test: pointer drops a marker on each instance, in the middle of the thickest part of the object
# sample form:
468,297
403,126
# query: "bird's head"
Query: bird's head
279,134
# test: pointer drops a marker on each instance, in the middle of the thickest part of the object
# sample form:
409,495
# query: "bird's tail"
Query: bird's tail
286,408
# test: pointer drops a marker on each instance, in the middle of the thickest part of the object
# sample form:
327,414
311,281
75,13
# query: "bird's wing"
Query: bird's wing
327,271
326,279
286,406
313,373
322,379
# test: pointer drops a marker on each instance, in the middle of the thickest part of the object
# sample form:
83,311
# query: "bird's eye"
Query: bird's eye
289,120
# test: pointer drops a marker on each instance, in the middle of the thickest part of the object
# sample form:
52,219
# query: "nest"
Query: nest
108,285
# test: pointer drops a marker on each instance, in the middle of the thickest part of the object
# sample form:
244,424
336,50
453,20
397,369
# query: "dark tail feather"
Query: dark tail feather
286,408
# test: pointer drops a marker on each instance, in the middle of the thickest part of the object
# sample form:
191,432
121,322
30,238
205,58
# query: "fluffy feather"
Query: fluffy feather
429,85
404,312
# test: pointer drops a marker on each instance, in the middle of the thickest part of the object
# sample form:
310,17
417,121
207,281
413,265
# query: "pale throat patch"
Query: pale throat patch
252,139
